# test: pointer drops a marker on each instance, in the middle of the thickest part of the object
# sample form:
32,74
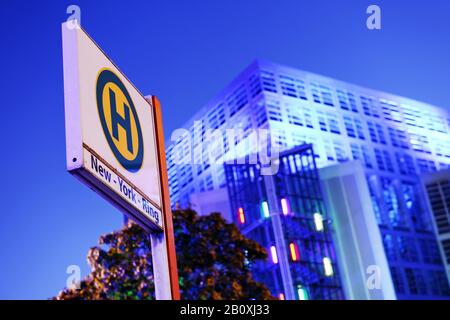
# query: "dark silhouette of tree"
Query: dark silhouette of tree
214,262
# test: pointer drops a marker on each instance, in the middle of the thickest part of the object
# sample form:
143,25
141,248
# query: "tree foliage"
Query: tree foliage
214,262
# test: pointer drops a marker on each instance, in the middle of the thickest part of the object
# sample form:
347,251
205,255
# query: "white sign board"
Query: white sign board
110,131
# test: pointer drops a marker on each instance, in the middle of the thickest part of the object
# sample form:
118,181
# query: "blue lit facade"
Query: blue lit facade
437,186
285,213
395,138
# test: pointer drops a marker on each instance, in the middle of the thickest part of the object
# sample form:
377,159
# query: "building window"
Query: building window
315,93
327,98
254,85
380,132
391,111
438,283
398,138
389,247
384,161
437,193
412,116
349,127
354,128
391,203
329,150
407,249
376,132
442,148
347,100
295,120
388,161
397,278
333,123
301,89
416,282
287,86
420,143
426,165
352,102
342,97
216,117
268,81
405,164
341,155
322,123
430,251
436,123
446,249
356,154
361,153
369,107
372,132
274,111
308,119
366,157
261,114
359,129
293,87
209,182
444,166
321,94
237,100
380,160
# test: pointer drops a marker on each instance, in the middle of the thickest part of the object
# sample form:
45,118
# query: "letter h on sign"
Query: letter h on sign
124,122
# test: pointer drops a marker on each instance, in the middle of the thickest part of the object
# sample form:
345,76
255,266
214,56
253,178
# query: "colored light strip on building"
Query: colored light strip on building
265,209
318,221
327,267
302,293
281,296
241,215
273,252
285,206
294,251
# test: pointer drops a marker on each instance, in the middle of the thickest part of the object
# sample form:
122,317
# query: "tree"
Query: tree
214,262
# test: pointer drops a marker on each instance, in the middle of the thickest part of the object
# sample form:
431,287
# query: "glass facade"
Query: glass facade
395,138
437,186
292,202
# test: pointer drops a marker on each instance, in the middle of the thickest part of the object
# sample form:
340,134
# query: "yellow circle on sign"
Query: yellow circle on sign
119,120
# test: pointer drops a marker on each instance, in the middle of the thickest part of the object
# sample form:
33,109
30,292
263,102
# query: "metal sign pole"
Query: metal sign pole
161,272
165,271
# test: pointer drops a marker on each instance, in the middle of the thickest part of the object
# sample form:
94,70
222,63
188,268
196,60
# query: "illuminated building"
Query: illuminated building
285,213
392,140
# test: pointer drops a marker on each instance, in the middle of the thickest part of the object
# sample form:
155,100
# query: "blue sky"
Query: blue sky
184,52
